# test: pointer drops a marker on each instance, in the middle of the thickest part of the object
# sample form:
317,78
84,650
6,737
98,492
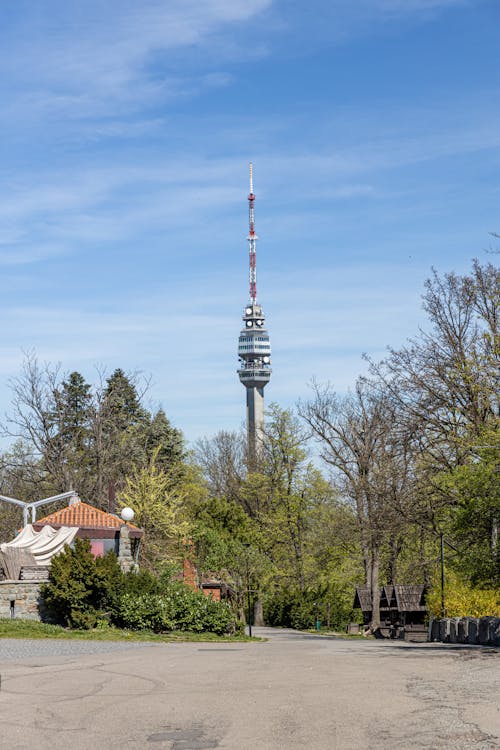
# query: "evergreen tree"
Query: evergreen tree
123,424
74,399
73,433
166,440
122,402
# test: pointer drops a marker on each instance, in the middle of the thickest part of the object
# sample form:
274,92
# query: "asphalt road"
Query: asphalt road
293,691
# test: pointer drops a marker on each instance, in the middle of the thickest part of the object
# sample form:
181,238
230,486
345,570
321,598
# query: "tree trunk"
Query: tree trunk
396,545
375,591
258,615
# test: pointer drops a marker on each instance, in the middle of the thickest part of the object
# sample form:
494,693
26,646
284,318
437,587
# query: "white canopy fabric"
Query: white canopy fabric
37,546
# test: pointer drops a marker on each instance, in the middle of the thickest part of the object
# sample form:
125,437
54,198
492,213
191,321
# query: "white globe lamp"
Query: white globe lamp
127,514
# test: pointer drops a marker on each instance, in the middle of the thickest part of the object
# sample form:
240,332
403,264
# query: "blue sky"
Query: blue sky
126,129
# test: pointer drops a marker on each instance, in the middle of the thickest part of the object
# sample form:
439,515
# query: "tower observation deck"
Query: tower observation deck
254,347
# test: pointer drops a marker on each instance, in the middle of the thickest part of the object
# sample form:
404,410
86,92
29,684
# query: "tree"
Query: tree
474,517
293,486
167,440
444,384
123,423
35,417
82,437
225,540
372,461
160,509
222,461
21,473
81,588
72,436
447,379
274,520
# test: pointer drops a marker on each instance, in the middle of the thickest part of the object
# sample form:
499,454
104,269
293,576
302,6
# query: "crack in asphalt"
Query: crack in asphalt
194,738
438,724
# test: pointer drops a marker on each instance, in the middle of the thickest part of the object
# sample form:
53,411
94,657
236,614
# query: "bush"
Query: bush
81,588
462,600
278,609
143,612
300,609
196,612
85,593
141,582
175,608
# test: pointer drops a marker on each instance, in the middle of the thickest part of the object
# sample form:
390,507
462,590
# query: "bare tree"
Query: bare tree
448,377
35,418
223,461
360,438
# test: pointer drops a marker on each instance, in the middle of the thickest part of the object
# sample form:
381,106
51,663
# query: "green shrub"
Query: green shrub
80,587
278,609
195,612
144,612
85,593
141,582
83,620
300,609
176,608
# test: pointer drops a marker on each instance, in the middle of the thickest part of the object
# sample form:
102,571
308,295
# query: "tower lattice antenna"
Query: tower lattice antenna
252,241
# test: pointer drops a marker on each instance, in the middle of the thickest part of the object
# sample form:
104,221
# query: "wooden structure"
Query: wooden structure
403,610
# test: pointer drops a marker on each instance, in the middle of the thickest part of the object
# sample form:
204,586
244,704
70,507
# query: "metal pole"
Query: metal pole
443,608
248,599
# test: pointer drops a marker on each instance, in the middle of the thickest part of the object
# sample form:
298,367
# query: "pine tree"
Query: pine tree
167,440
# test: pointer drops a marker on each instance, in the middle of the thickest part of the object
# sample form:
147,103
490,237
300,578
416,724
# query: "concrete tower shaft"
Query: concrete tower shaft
254,347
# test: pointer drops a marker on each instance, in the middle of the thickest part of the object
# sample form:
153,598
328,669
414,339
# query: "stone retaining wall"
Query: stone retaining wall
483,631
21,600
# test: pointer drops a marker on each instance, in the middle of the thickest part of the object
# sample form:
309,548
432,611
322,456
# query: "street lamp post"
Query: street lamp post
248,594
443,607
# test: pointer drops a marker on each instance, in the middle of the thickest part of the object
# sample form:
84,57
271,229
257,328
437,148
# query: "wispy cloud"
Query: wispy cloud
330,22
88,61
47,212
91,58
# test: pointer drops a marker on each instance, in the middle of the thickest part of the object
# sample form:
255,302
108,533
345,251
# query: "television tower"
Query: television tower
254,348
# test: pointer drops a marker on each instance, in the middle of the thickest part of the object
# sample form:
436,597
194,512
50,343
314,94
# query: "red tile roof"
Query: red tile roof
83,515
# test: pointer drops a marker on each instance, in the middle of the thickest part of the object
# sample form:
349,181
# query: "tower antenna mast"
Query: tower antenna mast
252,241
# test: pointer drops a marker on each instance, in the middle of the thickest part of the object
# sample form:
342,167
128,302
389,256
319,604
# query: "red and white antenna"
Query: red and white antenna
252,241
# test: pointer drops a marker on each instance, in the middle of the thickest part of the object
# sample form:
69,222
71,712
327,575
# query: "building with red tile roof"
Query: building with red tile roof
101,528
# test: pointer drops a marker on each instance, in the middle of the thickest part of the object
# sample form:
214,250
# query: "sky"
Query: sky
126,129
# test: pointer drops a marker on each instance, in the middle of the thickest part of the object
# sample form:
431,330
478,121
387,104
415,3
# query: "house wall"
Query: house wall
214,593
21,600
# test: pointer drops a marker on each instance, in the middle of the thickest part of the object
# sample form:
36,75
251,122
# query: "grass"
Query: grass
34,629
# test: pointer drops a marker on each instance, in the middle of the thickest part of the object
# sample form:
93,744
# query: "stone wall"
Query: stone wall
480,631
21,600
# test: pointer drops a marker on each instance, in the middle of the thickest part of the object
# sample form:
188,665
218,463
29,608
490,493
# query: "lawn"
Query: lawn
32,629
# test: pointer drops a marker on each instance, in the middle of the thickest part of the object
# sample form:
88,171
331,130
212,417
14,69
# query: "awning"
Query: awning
32,547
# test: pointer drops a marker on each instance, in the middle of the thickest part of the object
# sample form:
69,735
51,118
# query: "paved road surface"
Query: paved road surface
292,692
